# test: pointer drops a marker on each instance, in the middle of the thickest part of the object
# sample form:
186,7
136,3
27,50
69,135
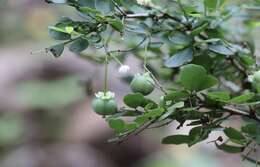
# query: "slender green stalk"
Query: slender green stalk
145,54
106,75
157,82
116,59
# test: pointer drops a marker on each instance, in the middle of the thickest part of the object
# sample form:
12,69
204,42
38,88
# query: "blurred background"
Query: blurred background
45,114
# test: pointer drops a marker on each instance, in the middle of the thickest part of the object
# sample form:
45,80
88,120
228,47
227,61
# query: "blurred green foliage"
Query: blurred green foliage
51,94
11,128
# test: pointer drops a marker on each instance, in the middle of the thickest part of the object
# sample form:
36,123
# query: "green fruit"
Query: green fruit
104,106
142,83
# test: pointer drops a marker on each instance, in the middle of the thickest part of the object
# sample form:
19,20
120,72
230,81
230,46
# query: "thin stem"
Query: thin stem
205,10
156,81
106,75
116,59
145,54
130,50
238,67
118,8
147,15
240,112
161,125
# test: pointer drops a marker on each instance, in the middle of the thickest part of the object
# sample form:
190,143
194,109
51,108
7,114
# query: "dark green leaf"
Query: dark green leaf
191,76
209,82
95,38
199,29
221,49
57,50
234,134
242,98
79,45
212,5
250,129
88,10
229,148
135,100
116,24
176,139
149,115
194,78
247,60
180,58
179,38
198,134
117,124
176,96
219,96
58,35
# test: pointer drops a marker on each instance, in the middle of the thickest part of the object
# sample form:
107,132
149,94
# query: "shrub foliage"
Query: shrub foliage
199,55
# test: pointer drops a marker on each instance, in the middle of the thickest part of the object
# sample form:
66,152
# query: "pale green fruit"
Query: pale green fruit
142,83
104,106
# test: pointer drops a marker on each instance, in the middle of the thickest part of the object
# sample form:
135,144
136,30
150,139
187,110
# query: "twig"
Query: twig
119,9
129,50
161,125
238,67
240,112
134,132
156,81
148,15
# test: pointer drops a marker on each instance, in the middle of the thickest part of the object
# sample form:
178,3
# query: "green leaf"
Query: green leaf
209,81
131,126
136,100
116,24
171,110
176,139
203,60
229,148
194,78
79,45
250,129
179,38
59,35
105,6
233,134
242,98
117,124
247,60
180,58
149,115
198,134
57,50
95,38
191,76
178,105
88,10
212,5
176,96
199,29
221,96
221,49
